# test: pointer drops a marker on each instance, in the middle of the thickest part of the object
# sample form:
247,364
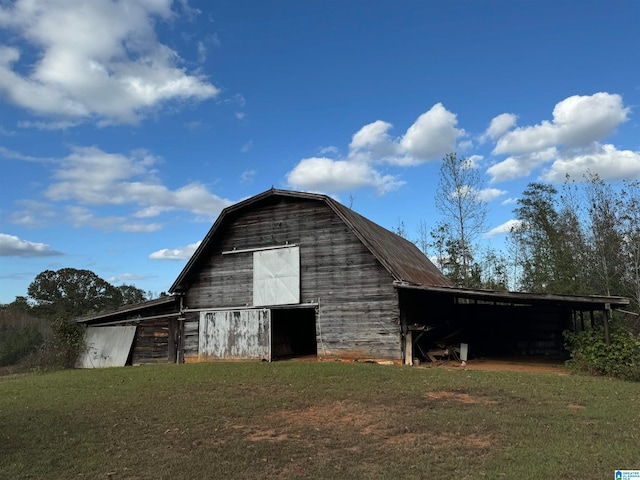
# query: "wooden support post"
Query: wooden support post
408,348
171,341
607,317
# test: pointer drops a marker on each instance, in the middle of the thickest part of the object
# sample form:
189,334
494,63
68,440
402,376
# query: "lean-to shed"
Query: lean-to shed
293,274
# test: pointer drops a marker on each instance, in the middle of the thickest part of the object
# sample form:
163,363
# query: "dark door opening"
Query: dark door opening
293,333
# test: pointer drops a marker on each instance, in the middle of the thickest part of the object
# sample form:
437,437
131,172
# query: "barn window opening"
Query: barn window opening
293,333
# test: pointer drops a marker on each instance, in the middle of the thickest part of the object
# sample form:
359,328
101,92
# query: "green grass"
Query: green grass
315,420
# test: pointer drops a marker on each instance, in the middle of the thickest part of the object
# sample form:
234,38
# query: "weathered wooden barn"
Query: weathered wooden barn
286,274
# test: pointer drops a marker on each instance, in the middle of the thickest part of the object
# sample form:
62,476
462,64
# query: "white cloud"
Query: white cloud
499,125
474,161
488,194
247,146
180,253
126,278
605,160
81,216
12,246
61,125
6,133
91,176
431,136
520,165
99,59
509,201
506,227
330,150
248,176
140,227
32,214
324,174
577,121
5,152
374,142
464,146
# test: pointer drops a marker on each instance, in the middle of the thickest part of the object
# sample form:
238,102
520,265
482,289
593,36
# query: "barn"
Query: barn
289,274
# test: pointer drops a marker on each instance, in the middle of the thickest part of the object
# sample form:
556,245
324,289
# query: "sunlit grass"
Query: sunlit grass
315,420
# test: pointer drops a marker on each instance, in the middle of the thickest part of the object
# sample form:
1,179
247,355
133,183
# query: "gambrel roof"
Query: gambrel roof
401,258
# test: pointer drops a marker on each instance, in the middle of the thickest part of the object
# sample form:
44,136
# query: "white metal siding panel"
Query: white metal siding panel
276,277
235,334
106,346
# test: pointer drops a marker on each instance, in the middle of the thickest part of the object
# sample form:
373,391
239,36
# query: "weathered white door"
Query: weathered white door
235,334
276,277
106,346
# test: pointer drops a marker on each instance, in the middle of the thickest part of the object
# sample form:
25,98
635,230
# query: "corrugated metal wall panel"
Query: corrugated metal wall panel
106,346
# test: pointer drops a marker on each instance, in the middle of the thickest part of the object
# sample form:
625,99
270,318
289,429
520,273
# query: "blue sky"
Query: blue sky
126,126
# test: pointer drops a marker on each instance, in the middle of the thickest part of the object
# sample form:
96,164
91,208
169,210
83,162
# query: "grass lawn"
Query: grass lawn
315,420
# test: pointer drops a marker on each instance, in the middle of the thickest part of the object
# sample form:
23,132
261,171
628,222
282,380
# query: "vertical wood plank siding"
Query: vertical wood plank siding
358,306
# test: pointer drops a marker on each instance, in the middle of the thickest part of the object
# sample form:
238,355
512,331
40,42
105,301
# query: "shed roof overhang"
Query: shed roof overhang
574,302
163,306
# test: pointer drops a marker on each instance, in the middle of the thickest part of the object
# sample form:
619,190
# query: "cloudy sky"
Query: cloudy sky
126,126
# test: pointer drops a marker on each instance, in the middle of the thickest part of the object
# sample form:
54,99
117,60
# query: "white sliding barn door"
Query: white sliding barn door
235,335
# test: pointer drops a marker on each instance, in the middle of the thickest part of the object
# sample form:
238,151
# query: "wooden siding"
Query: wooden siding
189,340
358,305
151,344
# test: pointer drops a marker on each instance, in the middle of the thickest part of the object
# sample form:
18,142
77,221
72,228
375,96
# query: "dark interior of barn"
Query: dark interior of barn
293,333
439,323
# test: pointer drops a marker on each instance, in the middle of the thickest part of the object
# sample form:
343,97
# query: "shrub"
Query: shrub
18,343
591,354
68,341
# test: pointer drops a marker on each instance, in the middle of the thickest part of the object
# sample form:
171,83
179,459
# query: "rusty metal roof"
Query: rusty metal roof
166,304
576,302
402,259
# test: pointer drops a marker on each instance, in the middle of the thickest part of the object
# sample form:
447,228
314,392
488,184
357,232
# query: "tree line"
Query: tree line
41,324
582,238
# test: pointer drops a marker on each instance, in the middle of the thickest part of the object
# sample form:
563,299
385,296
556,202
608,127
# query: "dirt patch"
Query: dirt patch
448,441
268,435
377,423
576,407
531,365
459,397
338,413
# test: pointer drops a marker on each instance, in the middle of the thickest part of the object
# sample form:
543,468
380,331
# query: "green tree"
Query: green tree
605,237
400,229
493,270
130,295
630,229
69,293
537,237
65,294
459,201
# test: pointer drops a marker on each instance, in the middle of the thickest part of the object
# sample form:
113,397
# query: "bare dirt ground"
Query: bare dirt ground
533,365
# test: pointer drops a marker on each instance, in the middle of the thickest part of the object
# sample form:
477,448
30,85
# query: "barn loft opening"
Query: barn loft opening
293,333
